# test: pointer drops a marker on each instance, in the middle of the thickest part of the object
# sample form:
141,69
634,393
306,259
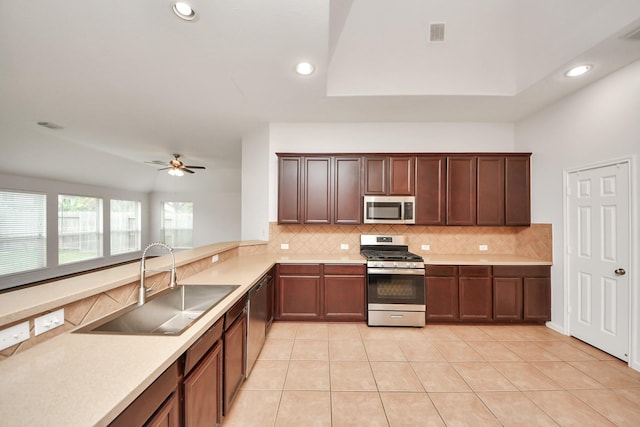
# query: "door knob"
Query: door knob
620,271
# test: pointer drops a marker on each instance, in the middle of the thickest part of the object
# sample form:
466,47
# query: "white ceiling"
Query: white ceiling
131,82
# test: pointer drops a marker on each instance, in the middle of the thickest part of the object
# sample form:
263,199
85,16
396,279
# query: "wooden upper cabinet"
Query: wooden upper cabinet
347,206
390,176
491,190
517,190
461,190
289,190
430,190
317,190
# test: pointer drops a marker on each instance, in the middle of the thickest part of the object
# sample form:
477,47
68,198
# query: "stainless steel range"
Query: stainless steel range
395,281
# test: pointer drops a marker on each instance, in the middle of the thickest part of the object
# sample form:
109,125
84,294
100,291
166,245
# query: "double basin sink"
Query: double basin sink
170,312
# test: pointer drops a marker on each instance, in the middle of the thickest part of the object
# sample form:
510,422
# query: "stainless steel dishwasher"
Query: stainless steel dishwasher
257,315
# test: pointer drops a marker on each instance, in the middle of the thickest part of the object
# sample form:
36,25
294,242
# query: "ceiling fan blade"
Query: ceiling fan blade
186,170
164,169
195,167
156,162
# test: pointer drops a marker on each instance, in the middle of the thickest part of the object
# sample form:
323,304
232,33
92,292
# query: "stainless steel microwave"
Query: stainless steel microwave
389,209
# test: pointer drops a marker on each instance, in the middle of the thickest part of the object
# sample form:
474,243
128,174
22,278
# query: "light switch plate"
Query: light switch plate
14,335
49,321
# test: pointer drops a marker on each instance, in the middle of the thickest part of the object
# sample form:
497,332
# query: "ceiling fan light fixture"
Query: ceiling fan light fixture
175,172
578,71
184,11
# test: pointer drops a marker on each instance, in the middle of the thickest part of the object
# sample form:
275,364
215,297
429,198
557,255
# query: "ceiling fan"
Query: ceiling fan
175,166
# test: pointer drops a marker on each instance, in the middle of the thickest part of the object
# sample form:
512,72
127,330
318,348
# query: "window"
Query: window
125,226
79,228
23,239
177,224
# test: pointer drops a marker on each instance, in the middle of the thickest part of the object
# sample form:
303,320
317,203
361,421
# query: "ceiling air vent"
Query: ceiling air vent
436,32
633,35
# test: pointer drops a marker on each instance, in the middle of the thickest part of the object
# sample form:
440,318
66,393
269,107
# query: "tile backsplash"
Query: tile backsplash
534,241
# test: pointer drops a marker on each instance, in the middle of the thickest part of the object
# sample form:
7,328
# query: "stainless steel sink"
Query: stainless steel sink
170,312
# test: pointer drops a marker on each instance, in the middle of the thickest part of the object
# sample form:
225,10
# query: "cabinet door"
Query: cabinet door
476,303
517,190
490,201
344,298
401,176
347,203
234,360
430,190
203,391
270,302
289,190
461,190
375,175
442,298
537,298
298,298
317,190
168,415
507,298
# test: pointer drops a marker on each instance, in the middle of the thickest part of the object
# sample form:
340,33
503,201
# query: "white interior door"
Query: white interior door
599,257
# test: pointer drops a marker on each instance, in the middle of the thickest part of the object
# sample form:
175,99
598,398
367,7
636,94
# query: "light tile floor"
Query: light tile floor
317,374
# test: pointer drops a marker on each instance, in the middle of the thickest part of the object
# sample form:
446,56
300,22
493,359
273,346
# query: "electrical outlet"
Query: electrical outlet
49,321
425,247
344,246
284,246
14,335
214,258
484,247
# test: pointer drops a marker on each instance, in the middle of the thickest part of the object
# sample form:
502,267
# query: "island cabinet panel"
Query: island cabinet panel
461,190
344,292
431,190
235,351
203,390
476,296
347,205
490,207
517,190
298,292
442,292
289,190
168,415
317,190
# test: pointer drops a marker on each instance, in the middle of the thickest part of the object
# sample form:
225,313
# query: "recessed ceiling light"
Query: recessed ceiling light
578,71
305,68
184,11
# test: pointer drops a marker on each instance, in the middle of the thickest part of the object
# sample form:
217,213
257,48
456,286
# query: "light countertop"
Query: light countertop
88,379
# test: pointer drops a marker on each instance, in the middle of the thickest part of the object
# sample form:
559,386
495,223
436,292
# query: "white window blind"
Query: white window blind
23,238
177,224
79,228
125,226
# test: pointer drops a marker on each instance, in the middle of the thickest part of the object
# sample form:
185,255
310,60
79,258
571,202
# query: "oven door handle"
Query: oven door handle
403,271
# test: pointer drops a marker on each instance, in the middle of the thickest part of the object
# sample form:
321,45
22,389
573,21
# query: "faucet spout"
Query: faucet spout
142,291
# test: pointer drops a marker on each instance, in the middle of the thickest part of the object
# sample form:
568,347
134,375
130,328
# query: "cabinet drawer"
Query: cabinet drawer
440,270
236,310
353,269
202,346
475,270
522,271
309,269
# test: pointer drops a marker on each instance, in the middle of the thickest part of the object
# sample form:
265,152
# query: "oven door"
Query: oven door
389,287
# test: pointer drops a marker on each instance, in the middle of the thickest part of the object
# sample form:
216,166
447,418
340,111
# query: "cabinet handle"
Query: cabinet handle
620,271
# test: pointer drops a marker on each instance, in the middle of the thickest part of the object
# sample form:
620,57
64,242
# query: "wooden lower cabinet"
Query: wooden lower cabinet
203,391
168,415
507,298
235,346
522,293
475,293
344,293
442,292
298,292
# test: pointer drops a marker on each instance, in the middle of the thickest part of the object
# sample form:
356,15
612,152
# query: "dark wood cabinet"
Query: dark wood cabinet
270,299
289,190
490,209
476,296
517,190
461,190
522,293
347,205
442,292
537,298
317,190
344,294
235,352
430,190
389,175
507,298
168,415
203,390
298,292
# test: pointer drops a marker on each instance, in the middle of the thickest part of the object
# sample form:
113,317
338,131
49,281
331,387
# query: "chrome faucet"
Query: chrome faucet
142,292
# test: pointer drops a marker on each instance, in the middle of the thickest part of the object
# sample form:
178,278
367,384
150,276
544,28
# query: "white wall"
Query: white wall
597,123
381,138
255,185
